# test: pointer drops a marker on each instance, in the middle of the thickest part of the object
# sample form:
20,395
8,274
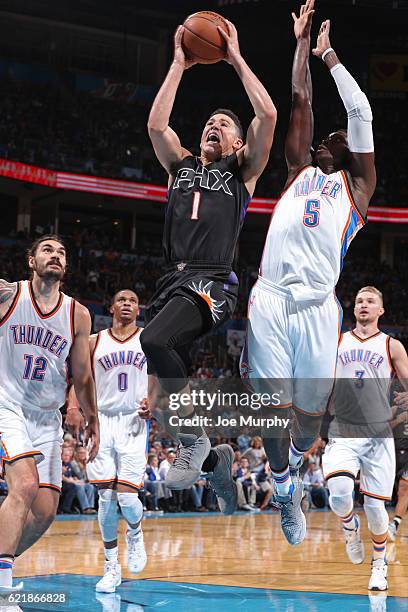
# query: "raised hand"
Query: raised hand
323,40
179,55
231,40
303,23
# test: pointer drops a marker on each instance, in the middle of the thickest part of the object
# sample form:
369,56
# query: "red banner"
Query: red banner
145,191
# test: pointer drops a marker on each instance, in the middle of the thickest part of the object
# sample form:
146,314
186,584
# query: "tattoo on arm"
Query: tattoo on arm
7,291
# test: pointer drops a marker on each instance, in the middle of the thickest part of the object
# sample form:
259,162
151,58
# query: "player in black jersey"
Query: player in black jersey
207,202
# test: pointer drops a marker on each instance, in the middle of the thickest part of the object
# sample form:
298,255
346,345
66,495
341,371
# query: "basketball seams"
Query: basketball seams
204,40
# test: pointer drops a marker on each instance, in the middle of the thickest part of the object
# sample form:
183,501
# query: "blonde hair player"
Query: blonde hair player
120,371
39,327
367,359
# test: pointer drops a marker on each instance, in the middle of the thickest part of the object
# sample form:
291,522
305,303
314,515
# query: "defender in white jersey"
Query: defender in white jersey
120,372
39,327
361,438
294,318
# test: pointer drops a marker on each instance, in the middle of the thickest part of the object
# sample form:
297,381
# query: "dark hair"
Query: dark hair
231,115
33,248
120,291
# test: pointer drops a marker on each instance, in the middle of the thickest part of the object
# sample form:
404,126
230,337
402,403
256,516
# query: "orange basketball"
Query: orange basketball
202,41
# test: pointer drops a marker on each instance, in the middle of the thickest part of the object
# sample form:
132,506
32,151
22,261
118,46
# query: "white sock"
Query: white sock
111,554
283,481
295,456
6,571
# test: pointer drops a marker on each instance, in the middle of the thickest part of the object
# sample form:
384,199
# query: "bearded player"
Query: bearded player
39,327
120,372
293,314
207,201
367,360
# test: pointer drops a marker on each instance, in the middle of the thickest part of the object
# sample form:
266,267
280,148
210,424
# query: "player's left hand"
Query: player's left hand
75,421
323,40
401,399
232,43
303,23
92,438
144,409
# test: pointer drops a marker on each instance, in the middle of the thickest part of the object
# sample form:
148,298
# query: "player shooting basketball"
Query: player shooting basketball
207,201
293,318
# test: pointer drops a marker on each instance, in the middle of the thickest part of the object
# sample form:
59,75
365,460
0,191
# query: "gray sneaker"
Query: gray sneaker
191,454
293,521
221,479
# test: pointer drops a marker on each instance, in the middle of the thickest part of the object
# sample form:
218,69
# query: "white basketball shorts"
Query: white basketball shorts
32,433
122,451
373,457
293,343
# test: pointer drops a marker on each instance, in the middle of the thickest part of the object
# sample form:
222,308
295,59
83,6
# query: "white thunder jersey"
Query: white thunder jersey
120,370
34,348
366,363
311,229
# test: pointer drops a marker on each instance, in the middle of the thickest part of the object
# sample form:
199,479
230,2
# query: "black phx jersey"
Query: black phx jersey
205,212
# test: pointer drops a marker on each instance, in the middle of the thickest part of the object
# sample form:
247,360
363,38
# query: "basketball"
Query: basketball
202,41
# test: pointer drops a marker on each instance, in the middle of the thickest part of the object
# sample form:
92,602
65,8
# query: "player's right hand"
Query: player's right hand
323,40
92,438
179,55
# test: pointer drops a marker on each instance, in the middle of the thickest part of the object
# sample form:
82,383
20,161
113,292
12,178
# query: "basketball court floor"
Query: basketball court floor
210,562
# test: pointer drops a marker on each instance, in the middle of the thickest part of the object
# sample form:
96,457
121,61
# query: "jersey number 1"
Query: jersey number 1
196,205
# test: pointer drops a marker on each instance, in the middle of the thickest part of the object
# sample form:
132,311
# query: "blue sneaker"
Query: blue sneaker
293,521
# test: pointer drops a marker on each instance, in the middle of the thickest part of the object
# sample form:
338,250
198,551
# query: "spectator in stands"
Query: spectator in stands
255,454
86,497
153,483
315,485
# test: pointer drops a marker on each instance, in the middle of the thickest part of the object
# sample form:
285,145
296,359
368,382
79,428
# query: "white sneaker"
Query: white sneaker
110,602
392,531
354,545
136,557
378,602
378,579
11,609
112,578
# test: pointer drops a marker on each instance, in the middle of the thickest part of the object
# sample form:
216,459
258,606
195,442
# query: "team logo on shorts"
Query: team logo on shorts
204,291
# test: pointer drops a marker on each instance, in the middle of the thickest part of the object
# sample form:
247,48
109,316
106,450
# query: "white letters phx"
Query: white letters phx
207,179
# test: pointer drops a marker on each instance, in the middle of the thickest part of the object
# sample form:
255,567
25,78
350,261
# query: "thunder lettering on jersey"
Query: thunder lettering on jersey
205,212
311,229
34,348
363,377
120,370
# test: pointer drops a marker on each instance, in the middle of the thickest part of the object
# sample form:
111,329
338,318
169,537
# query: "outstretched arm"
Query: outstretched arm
254,155
300,133
359,129
165,141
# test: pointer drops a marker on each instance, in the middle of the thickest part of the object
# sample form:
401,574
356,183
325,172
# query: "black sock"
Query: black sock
211,461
